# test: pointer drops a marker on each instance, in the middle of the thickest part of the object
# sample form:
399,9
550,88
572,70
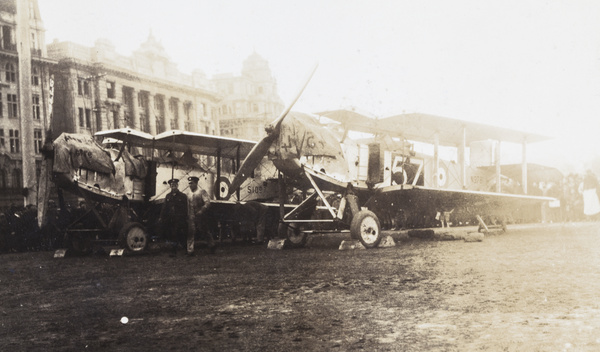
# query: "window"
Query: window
36,107
17,179
2,137
159,126
13,108
174,109
187,110
13,136
3,179
11,75
142,100
86,88
1,107
81,121
37,140
35,76
80,86
159,107
35,48
187,113
110,90
88,118
8,38
143,122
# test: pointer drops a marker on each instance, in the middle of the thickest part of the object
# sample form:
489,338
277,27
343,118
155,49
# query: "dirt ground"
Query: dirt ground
534,288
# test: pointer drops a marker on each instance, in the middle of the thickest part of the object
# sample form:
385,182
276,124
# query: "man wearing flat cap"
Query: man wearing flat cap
199,201
174,215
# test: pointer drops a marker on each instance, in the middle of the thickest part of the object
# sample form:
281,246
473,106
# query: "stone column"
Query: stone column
25,102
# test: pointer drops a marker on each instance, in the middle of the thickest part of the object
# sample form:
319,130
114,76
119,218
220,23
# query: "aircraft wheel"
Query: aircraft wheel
81,244
133,237
293,233
365,226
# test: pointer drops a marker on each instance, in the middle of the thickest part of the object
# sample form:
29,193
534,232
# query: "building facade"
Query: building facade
24,100
250,101
98,89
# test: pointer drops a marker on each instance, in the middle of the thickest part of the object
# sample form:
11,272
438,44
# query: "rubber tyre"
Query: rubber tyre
133,237
365,226
296,238
81,244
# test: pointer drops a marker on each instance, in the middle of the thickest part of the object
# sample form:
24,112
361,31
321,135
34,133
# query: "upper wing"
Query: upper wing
182,141
133,137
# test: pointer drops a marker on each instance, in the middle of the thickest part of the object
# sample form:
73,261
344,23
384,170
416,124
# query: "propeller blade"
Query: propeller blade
277,122
260,150
251,162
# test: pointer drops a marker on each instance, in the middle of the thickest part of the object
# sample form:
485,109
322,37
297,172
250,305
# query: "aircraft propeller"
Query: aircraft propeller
261,148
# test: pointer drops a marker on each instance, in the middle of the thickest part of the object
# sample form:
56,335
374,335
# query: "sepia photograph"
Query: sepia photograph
299,175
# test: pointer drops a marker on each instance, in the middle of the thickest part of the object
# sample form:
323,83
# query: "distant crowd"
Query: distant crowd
577,197
19,230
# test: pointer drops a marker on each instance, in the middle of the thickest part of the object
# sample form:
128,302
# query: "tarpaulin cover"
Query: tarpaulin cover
134,166
74,151
302,137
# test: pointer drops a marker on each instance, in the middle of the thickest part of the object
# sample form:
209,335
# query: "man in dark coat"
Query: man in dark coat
173,217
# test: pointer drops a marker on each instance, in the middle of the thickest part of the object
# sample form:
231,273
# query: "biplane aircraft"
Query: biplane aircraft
368,187
129,171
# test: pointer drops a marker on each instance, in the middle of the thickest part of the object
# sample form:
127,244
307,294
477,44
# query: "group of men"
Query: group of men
183,216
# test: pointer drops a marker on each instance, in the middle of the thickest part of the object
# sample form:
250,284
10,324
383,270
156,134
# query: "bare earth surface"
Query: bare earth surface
535,288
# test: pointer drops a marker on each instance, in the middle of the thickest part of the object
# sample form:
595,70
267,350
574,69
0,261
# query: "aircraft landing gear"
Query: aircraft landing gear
293,233
134,237
80,243
365,226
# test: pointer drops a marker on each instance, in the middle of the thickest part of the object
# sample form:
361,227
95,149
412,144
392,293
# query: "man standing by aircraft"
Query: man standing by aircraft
173,217
591,204
199,201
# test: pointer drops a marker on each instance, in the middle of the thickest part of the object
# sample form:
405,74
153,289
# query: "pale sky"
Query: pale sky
528,65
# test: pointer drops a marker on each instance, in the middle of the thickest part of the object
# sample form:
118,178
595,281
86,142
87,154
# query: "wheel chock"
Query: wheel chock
60,253
387,241
351,245
276,244
474,237
116,252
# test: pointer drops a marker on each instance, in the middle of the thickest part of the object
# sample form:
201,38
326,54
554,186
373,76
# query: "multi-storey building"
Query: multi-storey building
249,101
98,89
24,100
